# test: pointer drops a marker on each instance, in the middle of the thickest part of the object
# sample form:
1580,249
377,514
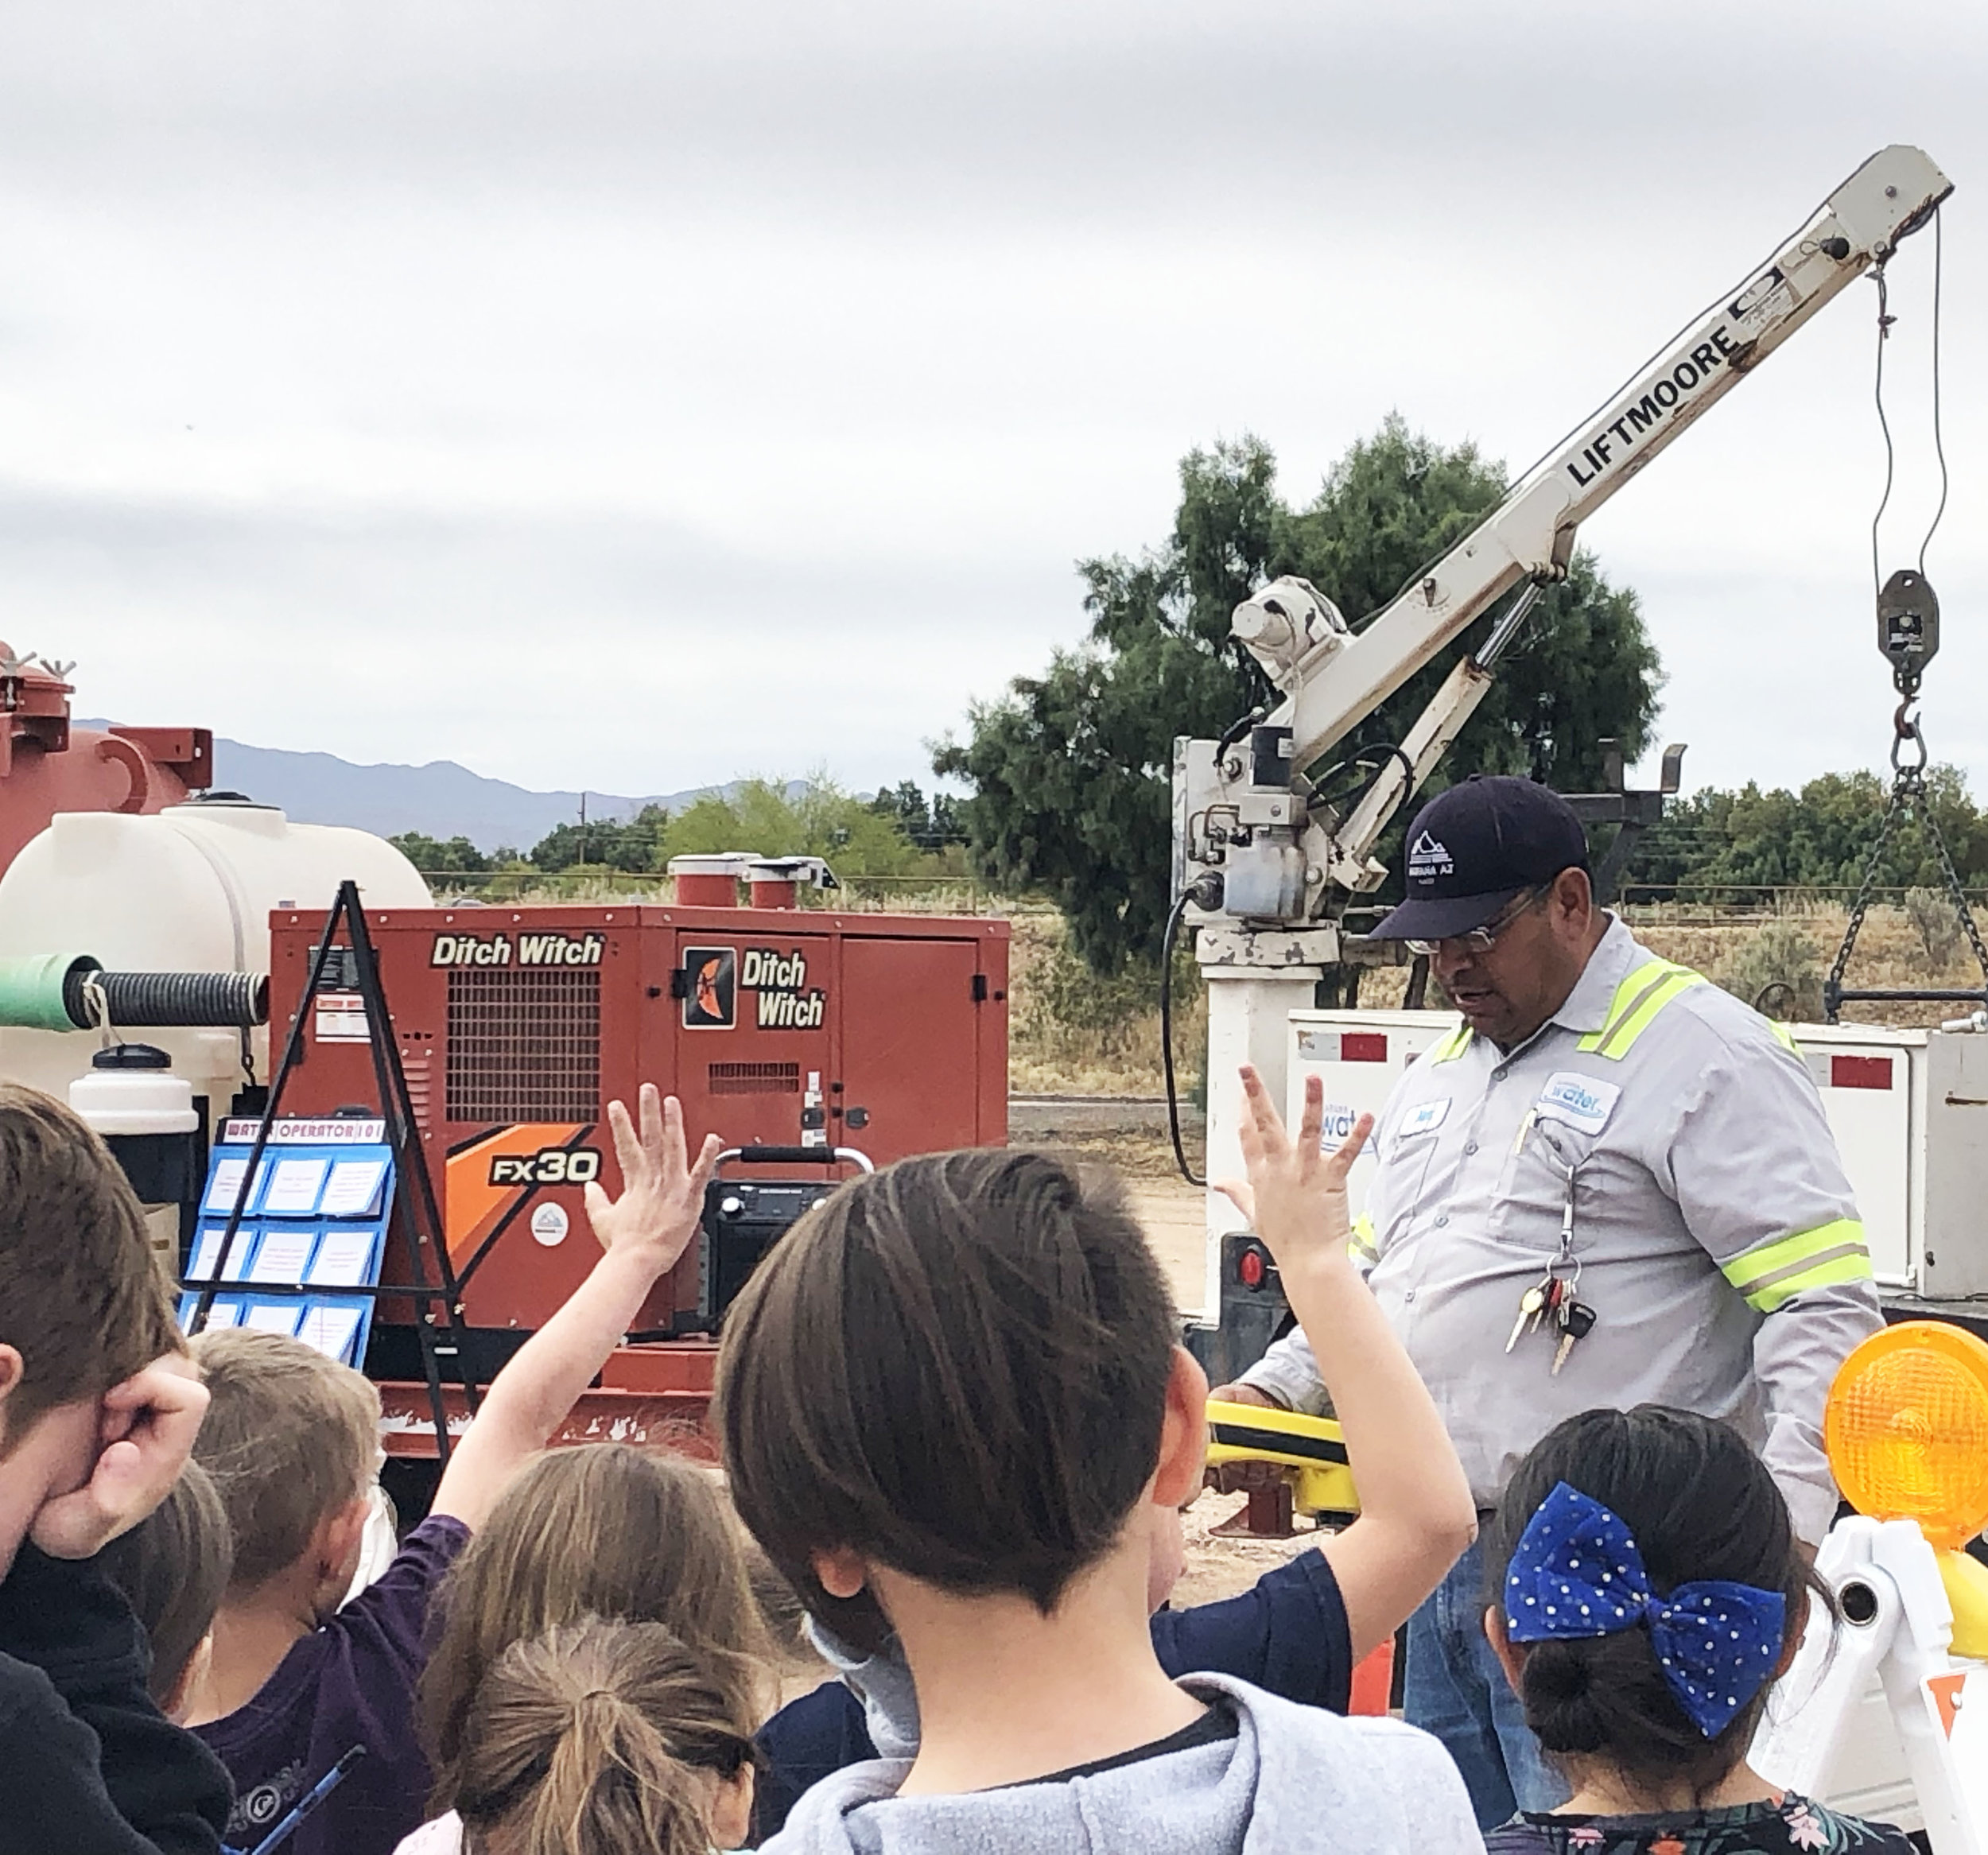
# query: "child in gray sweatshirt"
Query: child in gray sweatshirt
954,1412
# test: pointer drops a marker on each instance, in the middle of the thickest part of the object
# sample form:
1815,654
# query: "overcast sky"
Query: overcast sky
634,395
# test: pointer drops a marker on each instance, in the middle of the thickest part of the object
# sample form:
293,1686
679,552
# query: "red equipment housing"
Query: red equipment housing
49,765
775,1027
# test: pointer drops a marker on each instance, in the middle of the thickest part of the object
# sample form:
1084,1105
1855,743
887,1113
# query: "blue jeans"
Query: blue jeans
1455,1688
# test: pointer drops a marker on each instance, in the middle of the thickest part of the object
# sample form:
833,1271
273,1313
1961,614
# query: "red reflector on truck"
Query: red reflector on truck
1363,1046
1859,1072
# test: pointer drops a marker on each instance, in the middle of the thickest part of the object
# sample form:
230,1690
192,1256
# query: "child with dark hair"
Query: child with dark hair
174,1566
956,1416
1646,1591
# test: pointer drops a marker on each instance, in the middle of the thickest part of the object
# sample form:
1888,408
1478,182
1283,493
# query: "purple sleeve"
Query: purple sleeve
386,1623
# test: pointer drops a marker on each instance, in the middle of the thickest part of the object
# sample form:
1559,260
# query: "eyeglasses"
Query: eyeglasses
1481,939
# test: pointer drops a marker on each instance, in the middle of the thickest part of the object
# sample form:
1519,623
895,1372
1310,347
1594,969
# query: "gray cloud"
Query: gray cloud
633,396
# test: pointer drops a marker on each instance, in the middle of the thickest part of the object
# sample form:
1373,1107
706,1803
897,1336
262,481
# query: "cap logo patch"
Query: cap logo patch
1428,859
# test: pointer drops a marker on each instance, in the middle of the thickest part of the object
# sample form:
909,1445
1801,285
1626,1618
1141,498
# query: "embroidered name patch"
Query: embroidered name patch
1581,1101
1423,1118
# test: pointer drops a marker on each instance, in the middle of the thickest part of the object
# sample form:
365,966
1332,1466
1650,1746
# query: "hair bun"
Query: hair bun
1556,1679
1561,1697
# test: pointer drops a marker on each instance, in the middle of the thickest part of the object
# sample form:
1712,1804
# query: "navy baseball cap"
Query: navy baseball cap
1472,849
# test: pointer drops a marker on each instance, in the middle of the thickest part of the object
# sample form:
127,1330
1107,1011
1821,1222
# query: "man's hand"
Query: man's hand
1242,1394
1296,1196
662,1193
148,1425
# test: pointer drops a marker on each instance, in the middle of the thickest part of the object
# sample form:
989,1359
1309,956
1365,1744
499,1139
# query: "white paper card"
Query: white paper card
284,1256
354,1186
331,1330
294,1187
224,1313
270,1318
207,1253
343,1257
228,1174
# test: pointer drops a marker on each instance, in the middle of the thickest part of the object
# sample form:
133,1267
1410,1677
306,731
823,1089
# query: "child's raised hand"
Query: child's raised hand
661,1192
148,1427
1295,1200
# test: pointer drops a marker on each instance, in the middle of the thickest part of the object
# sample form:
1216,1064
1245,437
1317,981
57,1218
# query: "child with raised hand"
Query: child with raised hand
607,1739
953,1409
1299,1631
1646,1590
99,1407
1416,1515
602,1531
290,1439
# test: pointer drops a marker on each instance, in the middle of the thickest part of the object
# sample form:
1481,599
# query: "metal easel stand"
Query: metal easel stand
418,1211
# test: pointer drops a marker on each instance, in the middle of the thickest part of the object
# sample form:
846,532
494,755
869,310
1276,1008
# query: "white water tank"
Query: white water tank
186,890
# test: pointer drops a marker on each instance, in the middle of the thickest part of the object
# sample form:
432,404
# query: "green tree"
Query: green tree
1821,837
451,856
1070,769
630,844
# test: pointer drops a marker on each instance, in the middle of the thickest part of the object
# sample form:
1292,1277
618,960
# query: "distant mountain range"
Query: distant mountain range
443,799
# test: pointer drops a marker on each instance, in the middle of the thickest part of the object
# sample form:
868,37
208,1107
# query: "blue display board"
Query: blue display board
313,1222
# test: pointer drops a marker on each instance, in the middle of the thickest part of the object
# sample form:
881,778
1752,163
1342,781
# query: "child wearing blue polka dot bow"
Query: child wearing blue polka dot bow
1645,1592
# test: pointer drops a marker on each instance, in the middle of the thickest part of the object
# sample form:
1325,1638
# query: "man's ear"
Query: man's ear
840,1571
1508,1658
1183,1435
12,1368
1573,899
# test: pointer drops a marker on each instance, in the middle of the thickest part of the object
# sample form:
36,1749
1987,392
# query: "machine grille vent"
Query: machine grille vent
753,1078
523,1046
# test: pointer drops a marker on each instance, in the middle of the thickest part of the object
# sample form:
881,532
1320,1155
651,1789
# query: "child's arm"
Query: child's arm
644,1232
1416,1515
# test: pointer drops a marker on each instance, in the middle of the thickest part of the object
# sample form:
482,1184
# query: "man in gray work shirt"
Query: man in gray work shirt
1604,1133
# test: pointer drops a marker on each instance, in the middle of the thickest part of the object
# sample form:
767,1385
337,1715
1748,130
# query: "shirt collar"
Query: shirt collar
1587,1007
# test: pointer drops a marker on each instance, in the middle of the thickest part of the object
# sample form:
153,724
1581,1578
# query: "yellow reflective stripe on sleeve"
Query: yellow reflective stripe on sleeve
1361,1244
1452,1046
1637,1000
1771,1273
1783,1036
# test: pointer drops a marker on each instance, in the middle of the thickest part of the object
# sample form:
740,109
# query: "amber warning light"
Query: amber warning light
1907,1432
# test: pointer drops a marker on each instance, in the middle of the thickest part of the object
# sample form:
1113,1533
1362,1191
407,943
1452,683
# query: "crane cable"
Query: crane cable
1908,793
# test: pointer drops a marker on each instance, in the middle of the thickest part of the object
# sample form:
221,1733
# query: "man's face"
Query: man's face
1508,990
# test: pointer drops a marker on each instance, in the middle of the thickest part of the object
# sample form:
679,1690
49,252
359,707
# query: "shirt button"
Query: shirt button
1469,1145
1442,1220
1497,1075
1408,1295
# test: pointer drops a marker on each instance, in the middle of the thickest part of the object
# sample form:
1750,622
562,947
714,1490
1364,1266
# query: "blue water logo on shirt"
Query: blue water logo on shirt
1582,1101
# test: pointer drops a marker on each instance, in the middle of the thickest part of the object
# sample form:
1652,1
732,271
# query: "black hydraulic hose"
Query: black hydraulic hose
1204,892
160,1000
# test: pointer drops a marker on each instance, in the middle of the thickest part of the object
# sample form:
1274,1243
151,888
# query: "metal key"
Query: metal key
1556,1290
1530,1304
1577,1322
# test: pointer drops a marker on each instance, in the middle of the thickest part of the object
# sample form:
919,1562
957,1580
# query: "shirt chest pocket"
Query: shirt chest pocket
1556,1153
